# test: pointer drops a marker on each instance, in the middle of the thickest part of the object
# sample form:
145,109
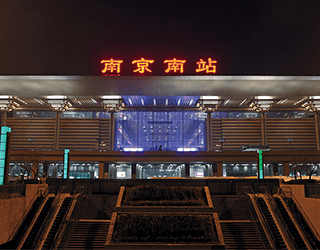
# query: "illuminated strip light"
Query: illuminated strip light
186,149
154,102
38,101
242,102
227,101
130,102
209,97
167,102
263,97
299,101
191,101
283,101
133,149
93,100
21,101
66,163
111,97
3,152
141,102
179,101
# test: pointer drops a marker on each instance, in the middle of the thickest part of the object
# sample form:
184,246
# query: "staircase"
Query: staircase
92,228
38,223
280,244
291,226
56,223
238,231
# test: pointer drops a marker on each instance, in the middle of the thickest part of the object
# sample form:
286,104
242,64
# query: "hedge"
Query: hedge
165,228
151,195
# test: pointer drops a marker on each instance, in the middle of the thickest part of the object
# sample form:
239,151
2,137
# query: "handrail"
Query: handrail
241,195
263,218
279,215
43,193
41,233
64,220
282,193
77,213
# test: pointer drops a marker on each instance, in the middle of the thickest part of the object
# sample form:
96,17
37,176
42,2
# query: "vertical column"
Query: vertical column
263,129
187,169
219,169
112,124
101,170
209,132
133,170
316,121
3,118
275,169
286,169
66,164
4,154
57,132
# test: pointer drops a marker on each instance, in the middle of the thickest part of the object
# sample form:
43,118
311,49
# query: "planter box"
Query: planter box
110,244
122,208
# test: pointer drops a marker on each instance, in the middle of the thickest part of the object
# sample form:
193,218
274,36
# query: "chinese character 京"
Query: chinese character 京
142,65
175,65
203,66
111,65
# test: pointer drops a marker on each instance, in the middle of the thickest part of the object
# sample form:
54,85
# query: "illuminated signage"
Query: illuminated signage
174,65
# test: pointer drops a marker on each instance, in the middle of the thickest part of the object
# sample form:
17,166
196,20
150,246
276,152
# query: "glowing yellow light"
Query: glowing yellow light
111,65
142,65
203,66
175,65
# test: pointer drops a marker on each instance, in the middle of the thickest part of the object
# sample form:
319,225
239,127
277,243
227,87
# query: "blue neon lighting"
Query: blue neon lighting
172,130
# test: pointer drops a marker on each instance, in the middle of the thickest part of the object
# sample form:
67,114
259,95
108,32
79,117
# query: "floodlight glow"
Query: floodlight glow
186,149
111,97
133,149
55,97
263,97
209,97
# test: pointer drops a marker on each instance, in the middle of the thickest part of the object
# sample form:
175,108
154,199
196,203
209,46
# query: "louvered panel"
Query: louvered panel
235,133
32,133
291,133
105,134
79,134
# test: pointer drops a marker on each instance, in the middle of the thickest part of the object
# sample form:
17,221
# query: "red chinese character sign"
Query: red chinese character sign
173,66
209,67
111,65
142,65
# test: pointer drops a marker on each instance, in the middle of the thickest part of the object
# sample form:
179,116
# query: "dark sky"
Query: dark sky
252,37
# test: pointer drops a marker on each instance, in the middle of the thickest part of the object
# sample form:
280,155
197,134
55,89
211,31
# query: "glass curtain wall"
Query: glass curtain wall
160,130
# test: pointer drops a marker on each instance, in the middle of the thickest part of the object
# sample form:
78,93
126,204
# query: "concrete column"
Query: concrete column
286,169
101,170
219,169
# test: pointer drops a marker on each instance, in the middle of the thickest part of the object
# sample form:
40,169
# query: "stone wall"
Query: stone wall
11,211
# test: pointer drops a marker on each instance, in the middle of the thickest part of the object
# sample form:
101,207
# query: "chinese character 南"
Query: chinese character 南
111,65
175,65
142,65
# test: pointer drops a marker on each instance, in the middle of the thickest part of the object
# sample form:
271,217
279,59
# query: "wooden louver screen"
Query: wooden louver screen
32,133
235,132
291,133
84,134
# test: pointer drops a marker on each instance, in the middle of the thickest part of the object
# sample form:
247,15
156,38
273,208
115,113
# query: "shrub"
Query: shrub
151,195
165,228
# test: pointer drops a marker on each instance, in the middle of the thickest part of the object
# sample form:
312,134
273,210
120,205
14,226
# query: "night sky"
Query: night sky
258,37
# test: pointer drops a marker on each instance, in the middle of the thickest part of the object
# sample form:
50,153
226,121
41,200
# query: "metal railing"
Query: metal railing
41,234
41,192
293,200
78,210
241,194
265,190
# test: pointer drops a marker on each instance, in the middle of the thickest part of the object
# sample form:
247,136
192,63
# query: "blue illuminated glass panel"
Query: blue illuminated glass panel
152,130
3,148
